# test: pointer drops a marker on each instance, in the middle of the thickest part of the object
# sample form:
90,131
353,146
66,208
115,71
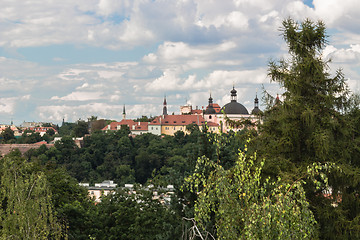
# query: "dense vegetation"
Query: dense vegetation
296,177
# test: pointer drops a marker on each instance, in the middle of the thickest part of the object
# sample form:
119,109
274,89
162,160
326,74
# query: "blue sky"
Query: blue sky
74,59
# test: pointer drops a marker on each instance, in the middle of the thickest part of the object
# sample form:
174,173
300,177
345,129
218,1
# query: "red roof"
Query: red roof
216,107
196,111
134,126
139,126
41,129
180,120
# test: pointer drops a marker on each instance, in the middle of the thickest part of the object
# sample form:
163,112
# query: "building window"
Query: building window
151,128
166,128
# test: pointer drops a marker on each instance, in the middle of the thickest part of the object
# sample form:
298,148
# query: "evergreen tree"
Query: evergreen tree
310,124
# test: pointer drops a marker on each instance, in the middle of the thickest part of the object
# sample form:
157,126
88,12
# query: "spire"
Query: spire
210,100
256,109
210,108
124,112
165,107
256,102
233,94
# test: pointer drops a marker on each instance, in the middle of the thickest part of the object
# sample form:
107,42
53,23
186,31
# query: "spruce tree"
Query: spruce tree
311,124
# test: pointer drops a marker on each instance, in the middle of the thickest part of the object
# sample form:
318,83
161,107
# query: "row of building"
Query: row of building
162,194
214,117
18,131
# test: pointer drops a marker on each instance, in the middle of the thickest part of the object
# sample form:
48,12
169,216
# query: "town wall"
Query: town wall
7,148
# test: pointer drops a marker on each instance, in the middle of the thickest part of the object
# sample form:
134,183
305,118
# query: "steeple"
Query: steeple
210,100
165,107
256,102
233,94
256,109
210,108
124,113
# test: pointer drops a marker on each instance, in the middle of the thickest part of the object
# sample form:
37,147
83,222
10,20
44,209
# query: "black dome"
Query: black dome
234,107
210,110
256,111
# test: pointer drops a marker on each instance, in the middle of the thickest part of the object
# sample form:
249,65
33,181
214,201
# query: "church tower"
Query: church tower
124,113
165,107
233,95
256,109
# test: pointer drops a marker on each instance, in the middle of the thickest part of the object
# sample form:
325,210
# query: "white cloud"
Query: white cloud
122,24
338,13
350,55
103,110
7,105
80,96
186,49
171,80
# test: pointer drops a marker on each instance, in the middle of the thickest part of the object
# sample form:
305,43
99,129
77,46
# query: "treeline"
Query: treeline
115,155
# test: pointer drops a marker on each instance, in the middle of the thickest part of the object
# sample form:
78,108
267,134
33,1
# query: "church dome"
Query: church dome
210,110
234,108
256,111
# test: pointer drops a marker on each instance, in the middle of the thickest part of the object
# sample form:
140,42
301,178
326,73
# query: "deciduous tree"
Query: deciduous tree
26,207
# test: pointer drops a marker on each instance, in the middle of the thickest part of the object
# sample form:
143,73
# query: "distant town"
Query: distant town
215,118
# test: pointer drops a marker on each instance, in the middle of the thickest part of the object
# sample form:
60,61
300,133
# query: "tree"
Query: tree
239,204
7,135
50,132
26,207
135,216
73,206
311,124
81,129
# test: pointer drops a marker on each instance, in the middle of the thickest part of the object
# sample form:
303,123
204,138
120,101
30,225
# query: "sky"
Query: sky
75,59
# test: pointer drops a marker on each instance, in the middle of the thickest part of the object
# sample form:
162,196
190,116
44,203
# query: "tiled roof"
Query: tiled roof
196,111
216,107
139,126
134,126
180,120
41,129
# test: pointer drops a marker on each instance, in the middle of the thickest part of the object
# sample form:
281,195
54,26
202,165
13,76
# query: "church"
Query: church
231,112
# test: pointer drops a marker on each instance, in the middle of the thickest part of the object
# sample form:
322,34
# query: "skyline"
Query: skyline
60,59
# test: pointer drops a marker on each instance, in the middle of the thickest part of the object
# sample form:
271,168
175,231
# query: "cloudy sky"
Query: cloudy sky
74,59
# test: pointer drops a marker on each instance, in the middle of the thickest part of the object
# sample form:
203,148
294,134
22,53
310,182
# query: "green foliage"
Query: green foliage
26,207
135,216
243,206
7,136
66,129
29,137
145,119
81,128
50,132
314,122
